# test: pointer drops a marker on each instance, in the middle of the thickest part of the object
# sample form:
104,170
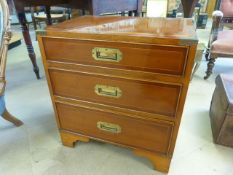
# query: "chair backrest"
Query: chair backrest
5,36
226,6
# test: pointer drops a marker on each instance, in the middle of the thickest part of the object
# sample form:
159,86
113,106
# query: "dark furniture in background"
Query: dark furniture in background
226,6
221,41
95,7
221,110
188,7
58,14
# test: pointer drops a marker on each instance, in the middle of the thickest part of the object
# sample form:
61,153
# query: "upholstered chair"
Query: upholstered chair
5,36
57,14
220,42
226,6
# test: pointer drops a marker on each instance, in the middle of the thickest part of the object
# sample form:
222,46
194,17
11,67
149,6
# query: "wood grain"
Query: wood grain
160,163
155,98
134,56
69,139
153,77
153,136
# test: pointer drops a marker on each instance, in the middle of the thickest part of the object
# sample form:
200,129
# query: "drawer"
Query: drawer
149,58
137,95
153,136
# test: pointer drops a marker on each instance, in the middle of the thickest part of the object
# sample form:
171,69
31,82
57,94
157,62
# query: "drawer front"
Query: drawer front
137,95
153,136
150,58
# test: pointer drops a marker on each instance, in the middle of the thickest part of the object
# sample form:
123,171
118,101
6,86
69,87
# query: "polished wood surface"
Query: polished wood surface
68,139
94,7
153,136
134,56
161,163
142,100
155,97
123,27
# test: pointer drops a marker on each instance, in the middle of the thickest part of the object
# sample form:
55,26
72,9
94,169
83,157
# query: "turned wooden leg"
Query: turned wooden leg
48,15
161,163
207,53
33,18
210,67
7,116
130,13
136,13
69,139
28,42
133,13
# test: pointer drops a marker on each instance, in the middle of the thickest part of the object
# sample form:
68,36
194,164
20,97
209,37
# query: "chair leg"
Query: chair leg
130,13
136,13
207,53
48,14
7,116
83,12
28,42
33,18
210,67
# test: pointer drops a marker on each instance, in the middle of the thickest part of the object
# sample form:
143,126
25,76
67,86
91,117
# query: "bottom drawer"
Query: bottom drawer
137,133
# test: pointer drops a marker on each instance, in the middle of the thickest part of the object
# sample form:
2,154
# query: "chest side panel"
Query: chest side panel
145,57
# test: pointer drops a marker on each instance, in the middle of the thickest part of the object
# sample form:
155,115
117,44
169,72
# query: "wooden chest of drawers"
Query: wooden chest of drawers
120,80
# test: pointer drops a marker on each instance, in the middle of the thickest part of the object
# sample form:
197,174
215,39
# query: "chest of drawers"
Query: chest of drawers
120,80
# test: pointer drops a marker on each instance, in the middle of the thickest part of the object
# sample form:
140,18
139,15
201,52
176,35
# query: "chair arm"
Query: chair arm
217,25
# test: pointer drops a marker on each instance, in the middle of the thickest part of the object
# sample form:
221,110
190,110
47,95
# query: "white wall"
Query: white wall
157,8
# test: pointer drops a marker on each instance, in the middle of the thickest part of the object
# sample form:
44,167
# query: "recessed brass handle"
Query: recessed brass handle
108,91
106,54
109,127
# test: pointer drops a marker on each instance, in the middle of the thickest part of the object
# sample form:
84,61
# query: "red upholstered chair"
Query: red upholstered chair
221,41
226,6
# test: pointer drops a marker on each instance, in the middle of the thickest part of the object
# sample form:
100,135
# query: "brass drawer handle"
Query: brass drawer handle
109,127
108,91
106,54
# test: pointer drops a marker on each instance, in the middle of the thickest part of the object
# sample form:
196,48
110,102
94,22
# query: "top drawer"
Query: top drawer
150,58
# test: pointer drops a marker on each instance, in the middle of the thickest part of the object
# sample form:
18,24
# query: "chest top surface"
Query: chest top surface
227,82
149,30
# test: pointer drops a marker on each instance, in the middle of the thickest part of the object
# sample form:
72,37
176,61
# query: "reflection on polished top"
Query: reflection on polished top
172,28
149,26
